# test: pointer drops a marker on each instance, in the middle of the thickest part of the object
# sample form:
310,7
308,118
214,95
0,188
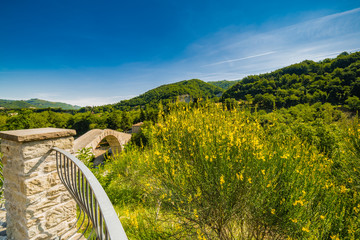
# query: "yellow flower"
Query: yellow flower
198,193
356,209
298,202
343,189
294,220
239,176
263,172
272,211
200,235
305,229
222,180
322,217
195,214
249,179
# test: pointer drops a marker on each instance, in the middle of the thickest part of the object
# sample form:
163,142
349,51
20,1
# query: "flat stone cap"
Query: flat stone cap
36,134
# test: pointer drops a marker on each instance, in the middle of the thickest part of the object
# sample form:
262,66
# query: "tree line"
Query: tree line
335,81
80,121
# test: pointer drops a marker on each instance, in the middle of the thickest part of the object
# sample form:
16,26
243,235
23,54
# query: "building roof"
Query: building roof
138,124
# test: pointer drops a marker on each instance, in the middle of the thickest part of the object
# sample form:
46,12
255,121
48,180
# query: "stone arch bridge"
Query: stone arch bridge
93,137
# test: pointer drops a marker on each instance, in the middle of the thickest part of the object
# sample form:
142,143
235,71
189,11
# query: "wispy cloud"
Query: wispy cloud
240,59
234,55
333,54
341,14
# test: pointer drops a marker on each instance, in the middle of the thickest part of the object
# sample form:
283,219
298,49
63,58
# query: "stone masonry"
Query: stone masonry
38,205
93,137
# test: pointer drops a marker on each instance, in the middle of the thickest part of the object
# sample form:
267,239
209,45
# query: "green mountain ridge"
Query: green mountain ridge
335,81
224,84
195,88
35,103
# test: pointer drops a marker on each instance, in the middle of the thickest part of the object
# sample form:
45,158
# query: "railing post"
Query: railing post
38,205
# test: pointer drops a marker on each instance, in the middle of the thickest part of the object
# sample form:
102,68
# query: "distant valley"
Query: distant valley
35,103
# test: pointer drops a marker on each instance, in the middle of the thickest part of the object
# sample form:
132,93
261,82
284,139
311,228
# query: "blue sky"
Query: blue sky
89,52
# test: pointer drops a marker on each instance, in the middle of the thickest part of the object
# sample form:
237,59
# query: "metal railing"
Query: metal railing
97,218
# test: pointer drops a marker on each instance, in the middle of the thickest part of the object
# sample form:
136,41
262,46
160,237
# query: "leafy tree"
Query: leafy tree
265,101
230,103
353,103
113,120
125,122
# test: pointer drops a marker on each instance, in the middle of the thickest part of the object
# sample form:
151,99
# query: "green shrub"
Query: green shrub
210,173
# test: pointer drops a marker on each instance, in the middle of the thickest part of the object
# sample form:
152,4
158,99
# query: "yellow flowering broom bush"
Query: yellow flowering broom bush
210,173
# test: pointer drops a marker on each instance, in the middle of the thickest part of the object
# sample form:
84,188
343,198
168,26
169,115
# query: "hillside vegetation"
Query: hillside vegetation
209,172
228,171
224,84
35,103
336,81
170,92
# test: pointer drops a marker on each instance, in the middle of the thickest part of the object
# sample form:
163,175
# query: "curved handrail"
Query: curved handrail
89,195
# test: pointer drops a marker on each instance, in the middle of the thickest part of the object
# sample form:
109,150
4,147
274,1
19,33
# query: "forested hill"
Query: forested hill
35,103
195,88
336,81
224,84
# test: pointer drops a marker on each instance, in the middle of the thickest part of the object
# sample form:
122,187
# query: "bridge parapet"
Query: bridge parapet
93,137
37,203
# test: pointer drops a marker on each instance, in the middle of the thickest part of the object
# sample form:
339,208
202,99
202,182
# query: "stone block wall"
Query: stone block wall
38,205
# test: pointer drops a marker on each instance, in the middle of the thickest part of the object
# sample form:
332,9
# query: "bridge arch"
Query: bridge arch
93,137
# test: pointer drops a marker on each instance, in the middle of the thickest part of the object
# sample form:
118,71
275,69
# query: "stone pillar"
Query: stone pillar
38,205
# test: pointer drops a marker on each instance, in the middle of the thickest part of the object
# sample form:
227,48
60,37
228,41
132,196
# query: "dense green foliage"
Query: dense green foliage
224,84
14,104
81,122
336,81
213,173
195,88
34,103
